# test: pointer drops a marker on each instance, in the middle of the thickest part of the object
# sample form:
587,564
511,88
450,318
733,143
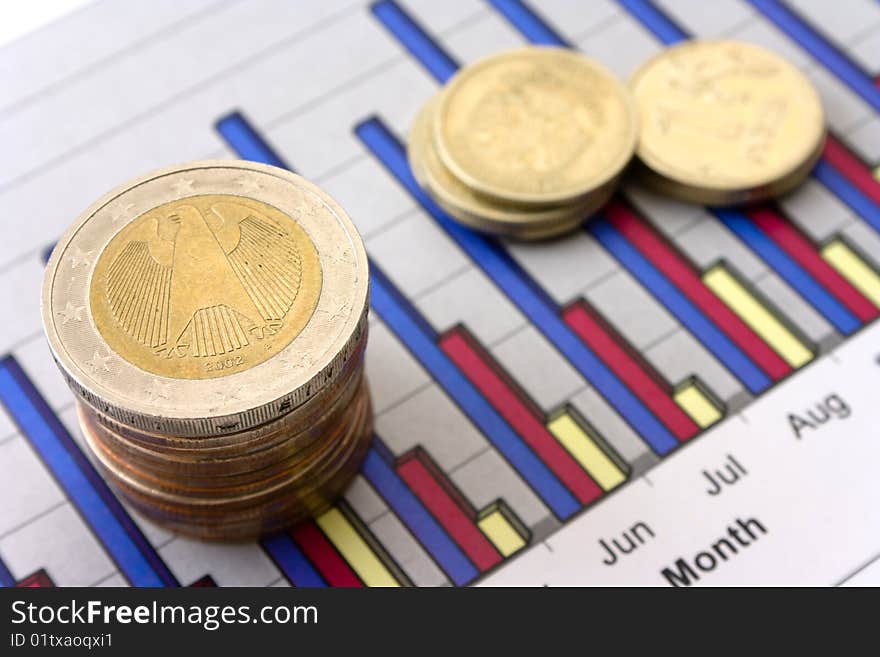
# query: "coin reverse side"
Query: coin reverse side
475,210
538,126
725,115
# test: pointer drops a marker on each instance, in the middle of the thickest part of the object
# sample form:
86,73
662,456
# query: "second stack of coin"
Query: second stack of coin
211,319
526,143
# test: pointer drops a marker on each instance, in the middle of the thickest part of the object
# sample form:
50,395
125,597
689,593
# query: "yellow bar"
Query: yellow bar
701,409
877,173
502,534
354,549
586,452
853,269
761,320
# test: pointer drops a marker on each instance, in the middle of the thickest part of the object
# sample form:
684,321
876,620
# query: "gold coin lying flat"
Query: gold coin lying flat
207,298
479,212
536,126
725,122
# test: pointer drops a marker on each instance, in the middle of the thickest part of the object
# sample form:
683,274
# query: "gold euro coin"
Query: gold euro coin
480,212
725,122
206,299
537,126
211,319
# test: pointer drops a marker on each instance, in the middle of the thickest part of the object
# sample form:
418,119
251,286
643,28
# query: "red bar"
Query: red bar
662,256
480,370
800,248
333,568
631,372
427,483
849,164
37,580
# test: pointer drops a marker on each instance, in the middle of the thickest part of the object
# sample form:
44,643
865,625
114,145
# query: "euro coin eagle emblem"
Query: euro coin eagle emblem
205,286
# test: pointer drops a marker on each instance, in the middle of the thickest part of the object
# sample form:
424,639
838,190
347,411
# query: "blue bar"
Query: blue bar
522,290
114,528
848,193
400,316
6,578
246,142
417,519
814,43
437,61
524,18
655,20
420,339
292,562
789,270
679,305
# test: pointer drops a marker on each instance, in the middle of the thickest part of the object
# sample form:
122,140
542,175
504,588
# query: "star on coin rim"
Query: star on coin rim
575,192
695,184
191,407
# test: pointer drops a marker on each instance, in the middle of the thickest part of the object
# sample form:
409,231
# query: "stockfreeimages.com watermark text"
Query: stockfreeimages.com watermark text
209,617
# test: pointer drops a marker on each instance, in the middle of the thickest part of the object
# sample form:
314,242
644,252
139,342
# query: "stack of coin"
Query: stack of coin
211,319
725,122
526,143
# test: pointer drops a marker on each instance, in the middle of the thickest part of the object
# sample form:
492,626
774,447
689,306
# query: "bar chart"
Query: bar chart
562,413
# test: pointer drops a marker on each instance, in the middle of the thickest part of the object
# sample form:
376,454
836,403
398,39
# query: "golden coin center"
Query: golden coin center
536,122
725,114
205,286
